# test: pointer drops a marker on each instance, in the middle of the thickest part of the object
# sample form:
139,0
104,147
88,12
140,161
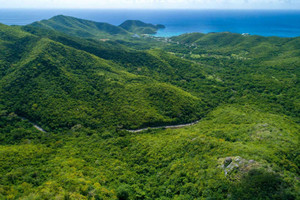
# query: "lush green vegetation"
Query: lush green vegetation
182,164
262,70
79,27
137,26
97,30
65,87
85,93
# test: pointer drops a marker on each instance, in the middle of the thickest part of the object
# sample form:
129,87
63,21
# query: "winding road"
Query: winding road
34,125
158,127
132,131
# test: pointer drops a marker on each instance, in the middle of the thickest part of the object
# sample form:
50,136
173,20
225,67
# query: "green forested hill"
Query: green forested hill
90,29
85,93
251,46
65,86
263,70
137,26
79,27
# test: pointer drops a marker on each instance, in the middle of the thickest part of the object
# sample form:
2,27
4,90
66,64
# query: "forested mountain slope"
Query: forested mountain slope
136,26
98,30
153,63
65,86
85,92
80,27
263,70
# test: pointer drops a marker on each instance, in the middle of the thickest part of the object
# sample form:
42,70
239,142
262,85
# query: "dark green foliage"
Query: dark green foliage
65,86
123,192
136,26
15,130
259,184
89,29
86,92
79,27
263,70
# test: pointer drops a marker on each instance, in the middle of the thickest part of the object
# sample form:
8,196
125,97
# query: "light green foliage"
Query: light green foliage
172,163
86,92
263,70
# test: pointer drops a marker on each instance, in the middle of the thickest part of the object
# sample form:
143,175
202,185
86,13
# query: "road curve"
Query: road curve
158,127
34,125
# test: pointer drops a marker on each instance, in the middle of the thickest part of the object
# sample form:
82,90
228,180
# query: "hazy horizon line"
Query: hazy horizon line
62,8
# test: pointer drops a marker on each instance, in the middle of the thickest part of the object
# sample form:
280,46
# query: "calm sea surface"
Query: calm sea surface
255,22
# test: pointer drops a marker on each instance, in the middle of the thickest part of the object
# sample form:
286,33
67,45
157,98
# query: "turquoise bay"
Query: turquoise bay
282,23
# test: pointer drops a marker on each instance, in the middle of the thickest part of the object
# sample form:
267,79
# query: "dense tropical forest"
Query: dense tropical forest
72,91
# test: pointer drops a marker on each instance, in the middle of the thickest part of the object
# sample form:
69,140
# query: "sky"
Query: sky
153,4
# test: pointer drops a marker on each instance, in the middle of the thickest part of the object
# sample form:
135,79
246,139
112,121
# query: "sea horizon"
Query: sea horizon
281,23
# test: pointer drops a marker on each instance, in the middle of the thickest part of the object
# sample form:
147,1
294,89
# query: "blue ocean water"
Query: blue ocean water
282,23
